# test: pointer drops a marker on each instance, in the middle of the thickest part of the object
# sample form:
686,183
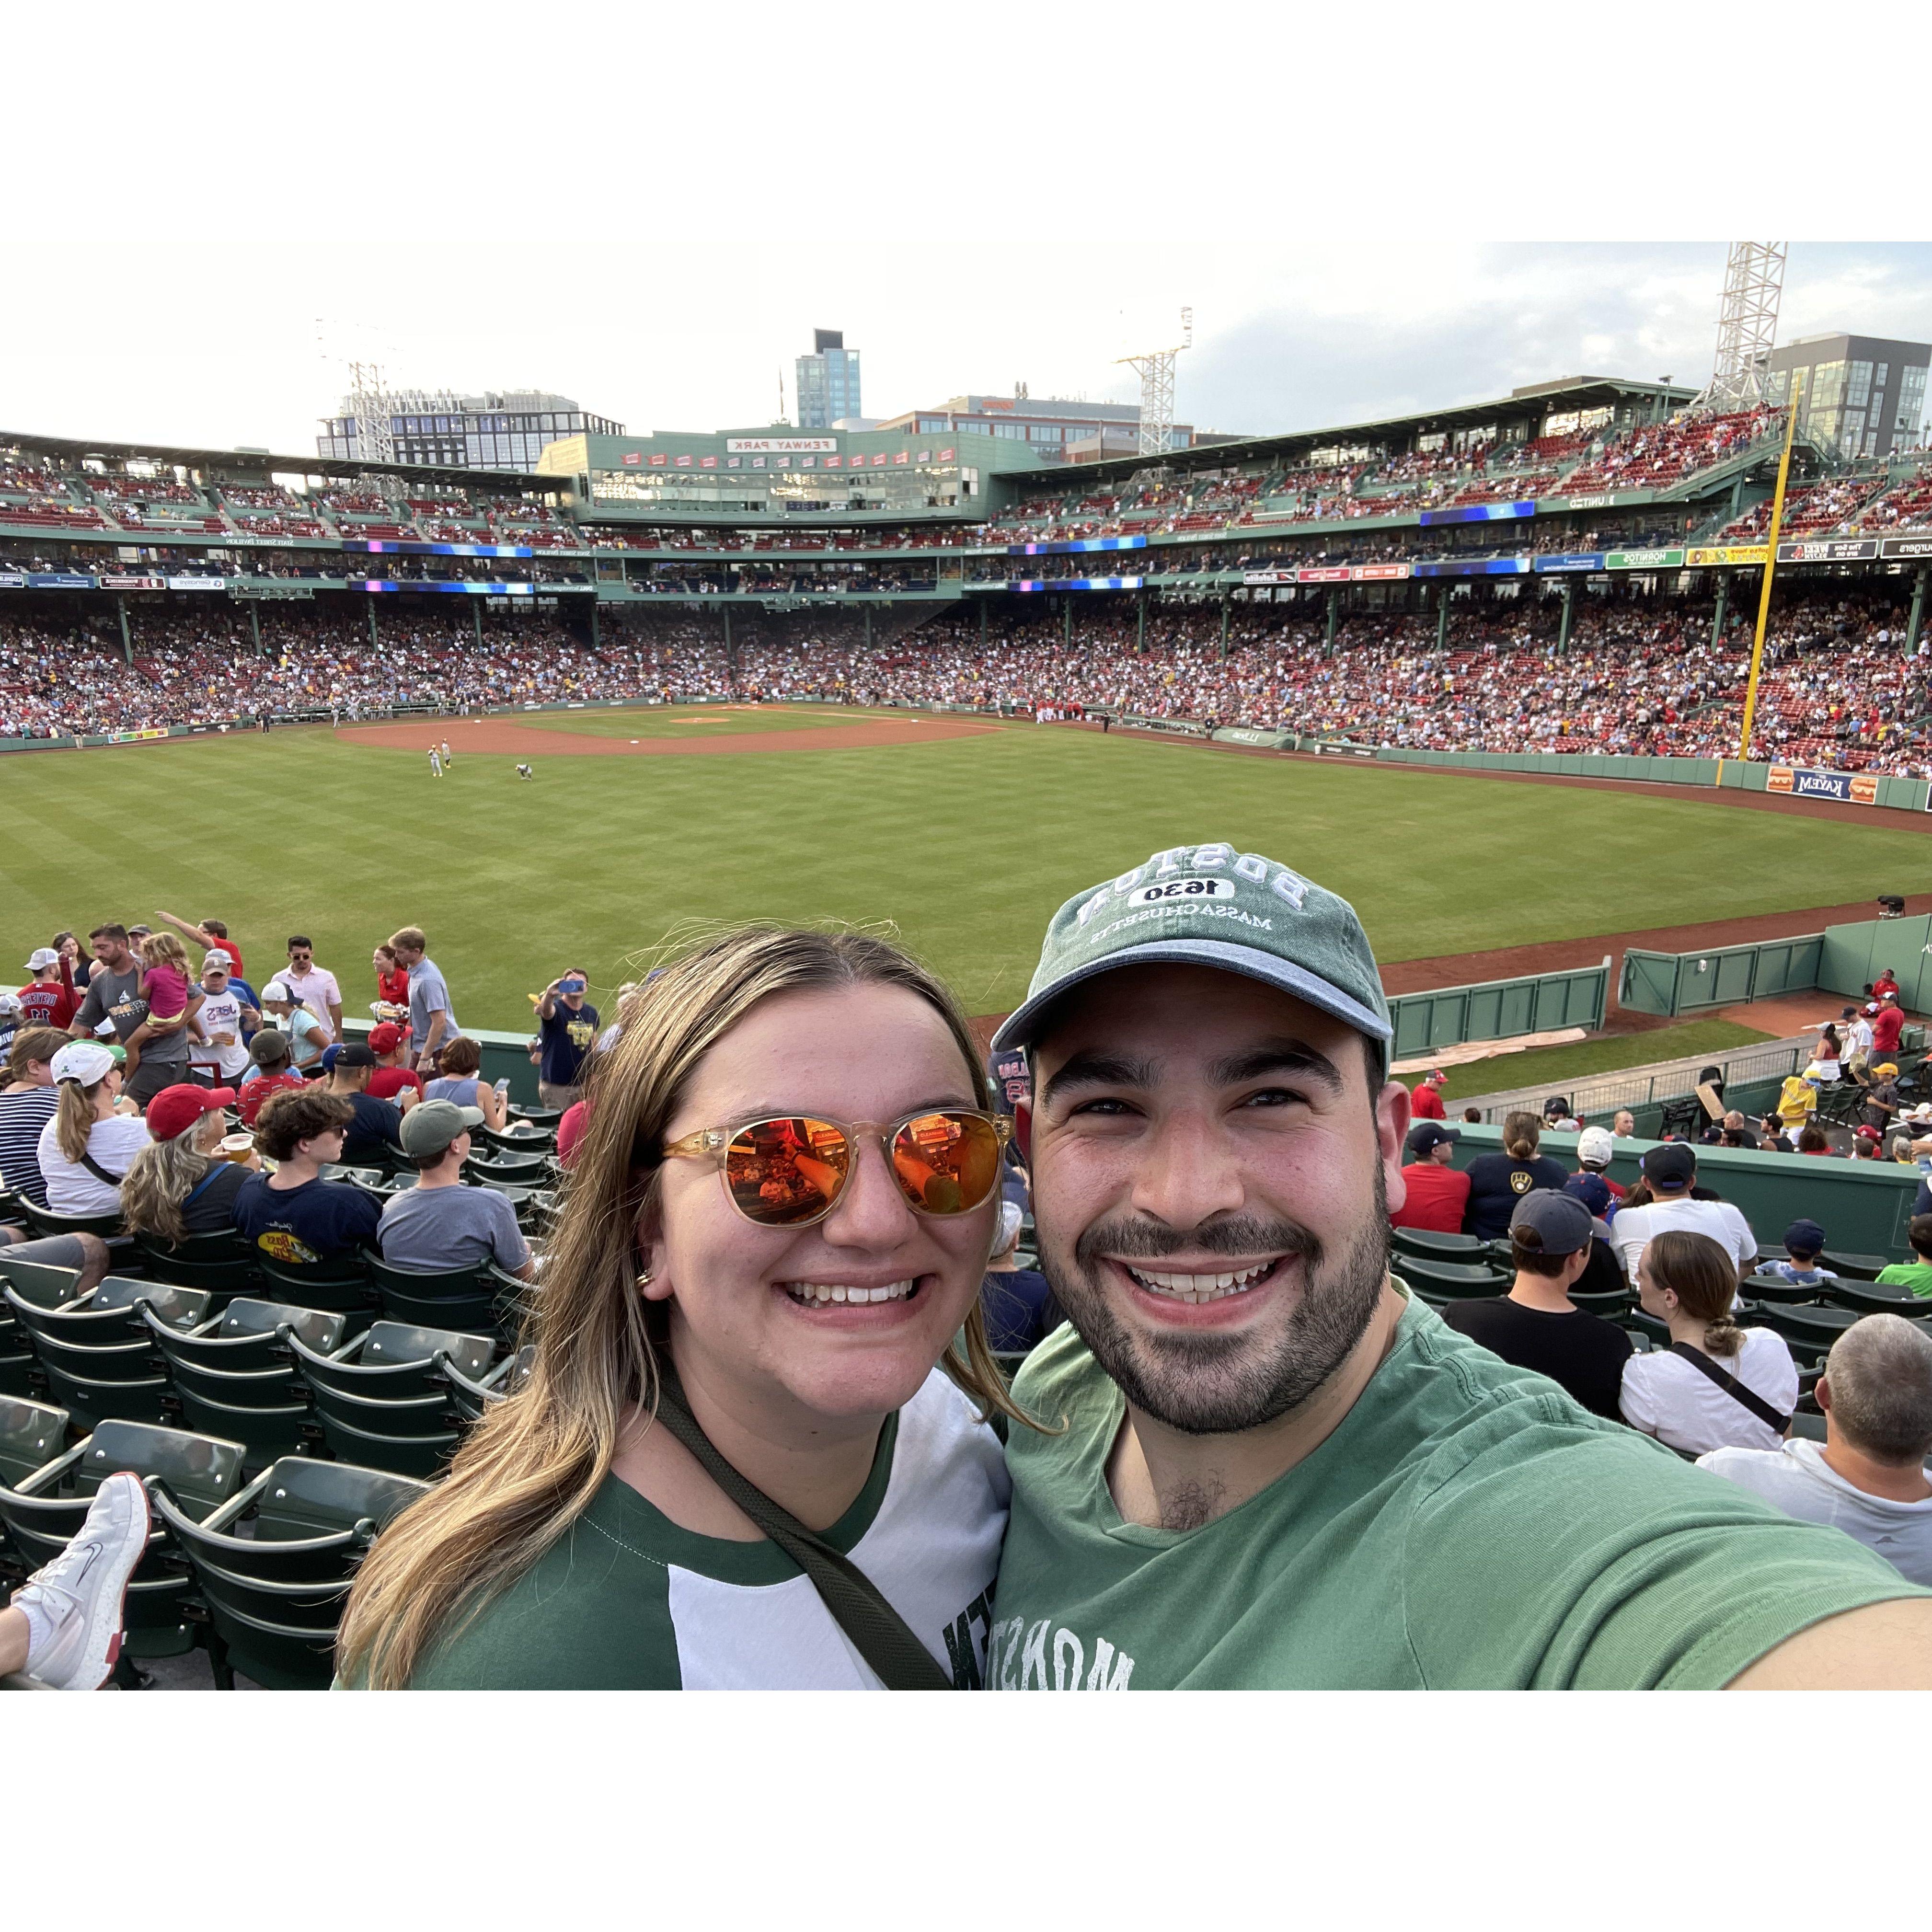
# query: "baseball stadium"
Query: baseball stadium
1605,703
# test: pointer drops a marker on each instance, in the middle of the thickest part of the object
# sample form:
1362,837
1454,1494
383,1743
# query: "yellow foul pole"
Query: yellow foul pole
1770,566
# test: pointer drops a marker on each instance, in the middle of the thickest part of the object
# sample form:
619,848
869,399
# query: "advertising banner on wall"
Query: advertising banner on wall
1589,559
1905,548
1857,788
1843,549
1645,560
117,580
1727,553
1480,513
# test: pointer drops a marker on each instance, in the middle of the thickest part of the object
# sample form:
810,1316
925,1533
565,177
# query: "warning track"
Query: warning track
519,738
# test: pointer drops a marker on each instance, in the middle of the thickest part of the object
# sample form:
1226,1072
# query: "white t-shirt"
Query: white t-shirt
1634,1227
71,1189
220,1012
1669,1398
1799,1481
1861,1035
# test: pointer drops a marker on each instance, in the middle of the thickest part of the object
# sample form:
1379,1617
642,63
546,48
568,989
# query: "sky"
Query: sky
650,211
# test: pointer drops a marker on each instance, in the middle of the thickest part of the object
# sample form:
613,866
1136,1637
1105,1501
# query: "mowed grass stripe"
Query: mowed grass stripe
967,846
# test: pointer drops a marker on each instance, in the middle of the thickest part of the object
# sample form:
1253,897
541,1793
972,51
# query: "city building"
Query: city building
506,429
828,382
1863,395
1060,428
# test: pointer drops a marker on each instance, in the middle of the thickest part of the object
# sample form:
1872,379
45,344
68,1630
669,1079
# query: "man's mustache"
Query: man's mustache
1241,1235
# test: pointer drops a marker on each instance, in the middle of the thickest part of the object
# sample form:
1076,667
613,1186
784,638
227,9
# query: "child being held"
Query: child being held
1803,1243
164,985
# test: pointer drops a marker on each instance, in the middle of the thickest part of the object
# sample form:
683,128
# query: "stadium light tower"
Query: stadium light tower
1156,374
1747,324
375,442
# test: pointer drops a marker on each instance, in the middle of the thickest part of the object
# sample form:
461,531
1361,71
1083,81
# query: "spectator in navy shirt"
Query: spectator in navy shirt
567,1032
1498,1181
293,1215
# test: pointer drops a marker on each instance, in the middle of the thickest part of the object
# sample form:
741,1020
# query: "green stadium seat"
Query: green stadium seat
518,1169
45,1222
1854,1268
1611,1303
31,1435
1433,1245
1817,1326
1773,1288
42,1511
224,1263
382,1400
1867,1298
275,1595
538,1116
532,1140
468,1299
112,1314
39,1283
1810,1428
470,1396
1439,1282
341,1285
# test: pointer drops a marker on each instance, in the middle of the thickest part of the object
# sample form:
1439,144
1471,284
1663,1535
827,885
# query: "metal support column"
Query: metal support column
1442,619
1067,619
982,623
1717,615
375,642
1569,609
1334,605
596,633
730,663
1915,622
255,622
1224,626
476,615
127,643
1140,632
868,627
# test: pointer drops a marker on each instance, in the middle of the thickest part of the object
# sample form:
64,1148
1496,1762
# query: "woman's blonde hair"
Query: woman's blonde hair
531,1466
164,949
1522,1135
73,1117
160,1177
1704,1279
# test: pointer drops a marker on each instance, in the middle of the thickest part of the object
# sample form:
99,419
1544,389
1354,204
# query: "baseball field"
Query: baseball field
963,833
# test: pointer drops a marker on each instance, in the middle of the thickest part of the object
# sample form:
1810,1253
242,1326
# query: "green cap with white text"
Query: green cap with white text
1209,905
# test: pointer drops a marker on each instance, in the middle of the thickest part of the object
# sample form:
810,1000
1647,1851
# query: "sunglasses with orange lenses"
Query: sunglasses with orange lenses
789,1171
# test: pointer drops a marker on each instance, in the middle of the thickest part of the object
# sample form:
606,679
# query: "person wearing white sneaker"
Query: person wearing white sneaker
64,1626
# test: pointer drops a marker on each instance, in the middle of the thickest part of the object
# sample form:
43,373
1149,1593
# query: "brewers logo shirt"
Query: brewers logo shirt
1497,1183
1467,1526
628,1600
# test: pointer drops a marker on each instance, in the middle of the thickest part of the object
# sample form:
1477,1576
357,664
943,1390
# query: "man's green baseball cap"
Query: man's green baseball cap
1209,905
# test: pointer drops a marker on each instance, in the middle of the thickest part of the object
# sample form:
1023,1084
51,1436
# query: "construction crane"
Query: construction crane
1747,325
1156,374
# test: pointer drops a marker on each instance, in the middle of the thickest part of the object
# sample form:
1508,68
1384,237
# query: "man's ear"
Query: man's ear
1023,1130
1823,1392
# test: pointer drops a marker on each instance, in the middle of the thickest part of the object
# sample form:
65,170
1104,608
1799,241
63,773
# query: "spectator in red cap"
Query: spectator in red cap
1438,1194
1425,1103
392,1080
1887,1023
180,1183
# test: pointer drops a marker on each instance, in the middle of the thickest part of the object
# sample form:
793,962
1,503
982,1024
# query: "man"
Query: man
226,1019
392,1080
524,772
1797,1101
211,936
1887,1023
1425,1103
1536,1325
293,1215
435,762
1272,1466
1623,1125
1671,1169
375,1128
1856,1031
1868,1477
432,1023
313,986
1557,1116
49,999
449,757
1596,1148
439,1225
1437,1194
1886,983
10,1021
566,1035
114,994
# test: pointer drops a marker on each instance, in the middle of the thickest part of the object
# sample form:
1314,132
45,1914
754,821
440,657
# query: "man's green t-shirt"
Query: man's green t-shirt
1467,1525
1916,1276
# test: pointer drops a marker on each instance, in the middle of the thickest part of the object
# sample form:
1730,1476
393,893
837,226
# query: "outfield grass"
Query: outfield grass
969,845
1558,1067
700,721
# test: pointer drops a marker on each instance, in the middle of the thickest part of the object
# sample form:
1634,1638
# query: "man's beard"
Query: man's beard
1210,1383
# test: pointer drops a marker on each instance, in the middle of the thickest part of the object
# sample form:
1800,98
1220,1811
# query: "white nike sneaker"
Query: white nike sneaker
82,1592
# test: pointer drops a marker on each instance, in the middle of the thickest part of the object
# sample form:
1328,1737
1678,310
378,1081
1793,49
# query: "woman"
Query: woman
84,1150
27,1104
710,1244
1498,1181
307,1036
179,1184
392,985
1811,1139
462,1064
1686,1395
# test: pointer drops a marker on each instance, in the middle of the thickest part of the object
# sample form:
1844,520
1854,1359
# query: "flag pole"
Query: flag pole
1770,564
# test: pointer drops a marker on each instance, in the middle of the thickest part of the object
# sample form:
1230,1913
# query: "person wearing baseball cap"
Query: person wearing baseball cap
1438,1193
1425,1101
1596,1148
375,1134
49,998
439,1225
179,1184
1670,1197
1553,1237
1803,1243
392,1080
1275,1466
85,1148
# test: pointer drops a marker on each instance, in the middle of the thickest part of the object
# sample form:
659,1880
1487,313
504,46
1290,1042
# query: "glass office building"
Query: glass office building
828,381
504,429
1862,395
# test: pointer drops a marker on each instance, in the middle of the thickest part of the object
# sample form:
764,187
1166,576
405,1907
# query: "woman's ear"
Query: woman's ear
653,1282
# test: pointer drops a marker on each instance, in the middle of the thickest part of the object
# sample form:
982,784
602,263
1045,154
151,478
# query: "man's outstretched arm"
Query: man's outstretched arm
1883,1647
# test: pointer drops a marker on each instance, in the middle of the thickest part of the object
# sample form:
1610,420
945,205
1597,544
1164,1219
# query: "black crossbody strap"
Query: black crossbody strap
100,1173
1746,1398
879,1633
